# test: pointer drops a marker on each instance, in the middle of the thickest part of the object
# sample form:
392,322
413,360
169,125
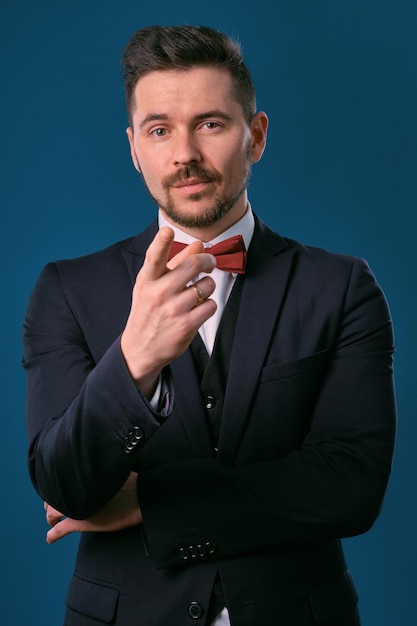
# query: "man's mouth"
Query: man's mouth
192,183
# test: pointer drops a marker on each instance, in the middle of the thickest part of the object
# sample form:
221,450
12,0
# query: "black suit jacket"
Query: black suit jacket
305,447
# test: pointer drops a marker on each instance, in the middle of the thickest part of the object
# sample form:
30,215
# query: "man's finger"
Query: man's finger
156,259
196,247
62,529
156,262
53,516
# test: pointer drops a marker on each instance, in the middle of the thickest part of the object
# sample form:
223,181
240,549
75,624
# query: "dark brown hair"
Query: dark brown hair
156,48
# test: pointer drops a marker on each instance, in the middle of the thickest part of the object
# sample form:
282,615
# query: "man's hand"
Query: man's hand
121,512
165,314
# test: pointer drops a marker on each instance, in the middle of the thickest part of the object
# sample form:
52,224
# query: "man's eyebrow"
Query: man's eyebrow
213,113
160,117
153,117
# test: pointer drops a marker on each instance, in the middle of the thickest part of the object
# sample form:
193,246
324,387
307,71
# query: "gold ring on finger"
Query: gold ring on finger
200,295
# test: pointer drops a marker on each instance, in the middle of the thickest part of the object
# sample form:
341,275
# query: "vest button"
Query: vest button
210,402
196,610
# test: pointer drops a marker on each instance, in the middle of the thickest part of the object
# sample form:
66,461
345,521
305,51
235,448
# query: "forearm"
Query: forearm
302,497
86,416
80,459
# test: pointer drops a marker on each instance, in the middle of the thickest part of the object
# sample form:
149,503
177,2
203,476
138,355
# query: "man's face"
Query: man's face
193,146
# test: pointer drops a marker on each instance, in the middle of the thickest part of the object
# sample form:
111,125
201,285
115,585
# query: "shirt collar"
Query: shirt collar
245,227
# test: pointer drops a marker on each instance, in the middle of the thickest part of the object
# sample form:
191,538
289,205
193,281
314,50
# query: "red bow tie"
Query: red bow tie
230,253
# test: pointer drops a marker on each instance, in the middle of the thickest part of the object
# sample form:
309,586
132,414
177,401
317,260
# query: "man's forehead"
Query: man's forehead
211,86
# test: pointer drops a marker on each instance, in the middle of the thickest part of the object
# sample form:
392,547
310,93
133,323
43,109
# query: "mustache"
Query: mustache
191,171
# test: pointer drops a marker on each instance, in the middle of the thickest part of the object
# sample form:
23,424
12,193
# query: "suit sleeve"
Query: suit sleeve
332,486
84,414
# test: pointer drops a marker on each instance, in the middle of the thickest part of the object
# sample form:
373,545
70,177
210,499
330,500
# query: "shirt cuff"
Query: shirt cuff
160,401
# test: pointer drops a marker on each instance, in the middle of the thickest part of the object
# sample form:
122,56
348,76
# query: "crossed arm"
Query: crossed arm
163,319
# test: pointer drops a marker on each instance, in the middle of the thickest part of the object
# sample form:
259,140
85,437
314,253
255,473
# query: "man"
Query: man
217,431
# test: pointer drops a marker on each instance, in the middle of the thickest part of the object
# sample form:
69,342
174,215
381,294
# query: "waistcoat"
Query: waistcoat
212,373
213,370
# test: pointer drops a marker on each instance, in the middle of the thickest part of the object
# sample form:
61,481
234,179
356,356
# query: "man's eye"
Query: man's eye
159,132
211,125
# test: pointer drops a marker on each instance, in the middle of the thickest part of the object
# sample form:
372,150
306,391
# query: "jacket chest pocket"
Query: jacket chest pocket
285,402
312,365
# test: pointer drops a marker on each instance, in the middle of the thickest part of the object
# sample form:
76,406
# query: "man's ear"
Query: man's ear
129,133
259,127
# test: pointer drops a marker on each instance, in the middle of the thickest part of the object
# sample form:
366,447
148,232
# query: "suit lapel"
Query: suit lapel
269,263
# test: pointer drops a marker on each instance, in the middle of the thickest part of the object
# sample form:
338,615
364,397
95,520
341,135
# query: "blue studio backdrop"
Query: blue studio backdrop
339,83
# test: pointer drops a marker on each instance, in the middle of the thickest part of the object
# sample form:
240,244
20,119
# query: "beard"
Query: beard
215,209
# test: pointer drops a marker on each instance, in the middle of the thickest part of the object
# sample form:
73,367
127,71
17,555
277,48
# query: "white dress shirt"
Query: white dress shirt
224,283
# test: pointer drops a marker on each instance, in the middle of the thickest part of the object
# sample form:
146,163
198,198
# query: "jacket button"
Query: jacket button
184,554
210,548
193,551
132,439
210,402
196,610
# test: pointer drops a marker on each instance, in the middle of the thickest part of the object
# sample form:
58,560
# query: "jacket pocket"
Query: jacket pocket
333,598
278,371
92,599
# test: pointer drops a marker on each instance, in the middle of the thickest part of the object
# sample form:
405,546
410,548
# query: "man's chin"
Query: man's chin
195,217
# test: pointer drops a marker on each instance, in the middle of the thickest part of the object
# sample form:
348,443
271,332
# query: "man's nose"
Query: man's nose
186,148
